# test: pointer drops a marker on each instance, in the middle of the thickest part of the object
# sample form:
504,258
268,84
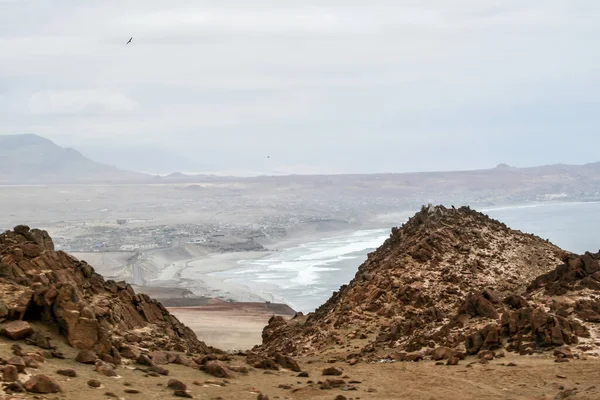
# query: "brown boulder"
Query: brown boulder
86,357
215,368
261,362
442,353
238,369
130,352
159,357
70,373
144,360
332,371
18,362
105,369
17,330
3,309
477,305
10,373
94,383
159,370
176,385
287,362
413,357
42,384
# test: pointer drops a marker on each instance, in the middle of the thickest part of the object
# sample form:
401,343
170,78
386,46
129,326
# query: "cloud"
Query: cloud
80,102
342,85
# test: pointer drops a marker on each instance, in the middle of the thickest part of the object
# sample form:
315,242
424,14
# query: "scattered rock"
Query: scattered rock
287,362
182,393
14,387
176,385
86,357
144,360
158,370
303,375
67,372
105,369
10,373
215,368
16,330
132,391
238,369
159,357
332,371
18,362
93,383
42,384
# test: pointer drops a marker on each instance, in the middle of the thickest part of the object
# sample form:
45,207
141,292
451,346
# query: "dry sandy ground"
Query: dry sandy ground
236,326
534,378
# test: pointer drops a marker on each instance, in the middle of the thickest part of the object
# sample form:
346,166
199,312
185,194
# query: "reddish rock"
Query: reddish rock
42,384
238,369
93,383
287,362
18,362
93,314
67,372
176,385
332,371
16,330
453,360
215,368
86,357
413,357
144,360
159,357
442,353
105,369
10,373
130,352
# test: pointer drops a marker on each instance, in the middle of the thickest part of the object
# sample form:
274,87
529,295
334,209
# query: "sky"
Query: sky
328,86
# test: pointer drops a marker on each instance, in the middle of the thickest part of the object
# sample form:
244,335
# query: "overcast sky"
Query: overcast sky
319,86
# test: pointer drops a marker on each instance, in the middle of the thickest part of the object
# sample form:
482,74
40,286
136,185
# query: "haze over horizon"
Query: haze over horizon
326,87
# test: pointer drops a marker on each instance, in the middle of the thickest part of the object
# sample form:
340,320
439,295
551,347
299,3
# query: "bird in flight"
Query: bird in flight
130,40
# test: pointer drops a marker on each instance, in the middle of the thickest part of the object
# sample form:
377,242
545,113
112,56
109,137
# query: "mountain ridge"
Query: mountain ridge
453,279
33,159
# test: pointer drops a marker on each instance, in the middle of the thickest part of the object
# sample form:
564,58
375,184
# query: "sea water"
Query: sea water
305,276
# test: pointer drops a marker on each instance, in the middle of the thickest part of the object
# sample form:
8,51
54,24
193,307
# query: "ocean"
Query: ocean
305,276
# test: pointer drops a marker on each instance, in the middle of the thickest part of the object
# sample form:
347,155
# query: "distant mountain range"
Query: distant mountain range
32,159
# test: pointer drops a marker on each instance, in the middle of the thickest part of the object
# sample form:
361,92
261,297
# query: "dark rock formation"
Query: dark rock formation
40,284
455,279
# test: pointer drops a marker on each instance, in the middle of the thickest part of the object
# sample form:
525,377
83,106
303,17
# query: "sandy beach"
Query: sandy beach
230,326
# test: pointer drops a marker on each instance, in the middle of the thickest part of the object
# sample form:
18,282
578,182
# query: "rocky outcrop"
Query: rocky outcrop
452,279
38,283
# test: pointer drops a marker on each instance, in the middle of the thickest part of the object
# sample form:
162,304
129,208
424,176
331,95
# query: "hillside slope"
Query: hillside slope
40,284
448,277
31,159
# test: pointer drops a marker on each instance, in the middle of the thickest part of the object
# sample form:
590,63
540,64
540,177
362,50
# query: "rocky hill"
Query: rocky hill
452,279
32,159
53,288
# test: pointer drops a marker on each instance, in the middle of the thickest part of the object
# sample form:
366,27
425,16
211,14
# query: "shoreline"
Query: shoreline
196,274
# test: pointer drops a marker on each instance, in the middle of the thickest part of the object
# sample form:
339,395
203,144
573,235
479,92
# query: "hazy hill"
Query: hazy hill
29,159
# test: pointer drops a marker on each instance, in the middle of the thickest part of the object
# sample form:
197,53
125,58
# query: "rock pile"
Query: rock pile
452,281
40,284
